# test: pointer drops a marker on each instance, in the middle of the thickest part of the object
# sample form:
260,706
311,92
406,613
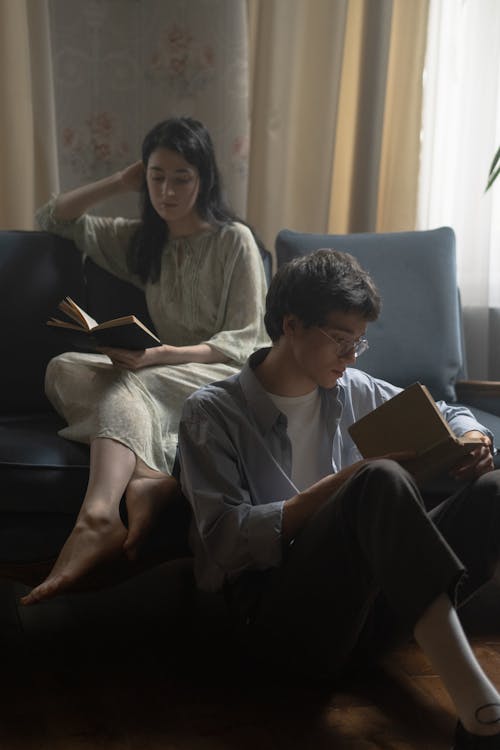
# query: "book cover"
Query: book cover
411,421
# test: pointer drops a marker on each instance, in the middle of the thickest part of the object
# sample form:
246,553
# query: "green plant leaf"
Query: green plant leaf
494,170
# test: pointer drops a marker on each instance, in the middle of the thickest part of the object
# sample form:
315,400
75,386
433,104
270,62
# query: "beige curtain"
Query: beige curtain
335,114
376,159
27,132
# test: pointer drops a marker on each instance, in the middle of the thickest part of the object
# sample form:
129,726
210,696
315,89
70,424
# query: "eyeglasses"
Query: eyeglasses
345,346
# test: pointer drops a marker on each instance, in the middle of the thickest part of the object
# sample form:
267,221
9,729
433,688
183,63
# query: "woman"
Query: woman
204,283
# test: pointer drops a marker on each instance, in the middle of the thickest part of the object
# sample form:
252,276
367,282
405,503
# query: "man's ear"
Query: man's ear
290,324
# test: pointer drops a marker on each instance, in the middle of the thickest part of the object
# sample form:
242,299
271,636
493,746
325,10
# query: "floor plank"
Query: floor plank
148,666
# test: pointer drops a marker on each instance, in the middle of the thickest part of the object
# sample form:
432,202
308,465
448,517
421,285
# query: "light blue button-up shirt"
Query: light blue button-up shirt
236,462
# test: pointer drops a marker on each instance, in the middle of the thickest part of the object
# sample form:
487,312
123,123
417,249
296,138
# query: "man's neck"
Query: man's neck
278,374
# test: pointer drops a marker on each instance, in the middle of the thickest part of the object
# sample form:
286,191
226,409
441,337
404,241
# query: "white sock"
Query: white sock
440,635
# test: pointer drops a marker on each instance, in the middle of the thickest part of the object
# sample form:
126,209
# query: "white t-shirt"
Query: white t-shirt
311,454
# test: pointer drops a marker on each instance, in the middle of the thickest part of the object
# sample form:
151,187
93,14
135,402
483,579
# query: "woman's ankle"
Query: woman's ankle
97,518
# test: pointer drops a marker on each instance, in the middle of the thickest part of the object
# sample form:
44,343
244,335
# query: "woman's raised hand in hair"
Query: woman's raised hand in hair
74,203
132,177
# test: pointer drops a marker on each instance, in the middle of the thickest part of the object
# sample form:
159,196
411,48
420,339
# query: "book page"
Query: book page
76,313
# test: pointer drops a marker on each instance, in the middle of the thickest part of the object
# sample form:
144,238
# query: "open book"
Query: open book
126,333
411,421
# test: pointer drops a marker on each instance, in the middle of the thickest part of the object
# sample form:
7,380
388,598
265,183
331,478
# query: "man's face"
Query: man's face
321,354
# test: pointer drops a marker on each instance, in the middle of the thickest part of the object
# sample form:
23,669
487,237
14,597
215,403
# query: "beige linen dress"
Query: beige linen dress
211,289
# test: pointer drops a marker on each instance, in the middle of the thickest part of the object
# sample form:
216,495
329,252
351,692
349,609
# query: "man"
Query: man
318,550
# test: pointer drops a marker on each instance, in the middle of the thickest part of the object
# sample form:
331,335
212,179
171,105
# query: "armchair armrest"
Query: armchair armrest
481,394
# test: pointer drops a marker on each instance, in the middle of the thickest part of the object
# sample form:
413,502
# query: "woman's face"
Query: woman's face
173,186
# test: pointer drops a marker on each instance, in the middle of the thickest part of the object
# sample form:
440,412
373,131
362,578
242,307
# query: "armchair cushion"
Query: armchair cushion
421,318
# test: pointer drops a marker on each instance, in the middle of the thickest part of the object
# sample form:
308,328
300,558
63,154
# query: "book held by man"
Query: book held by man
411,421
125,333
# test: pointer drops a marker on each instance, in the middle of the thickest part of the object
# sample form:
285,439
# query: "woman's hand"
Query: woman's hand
74,203
130,359
132,177
478,461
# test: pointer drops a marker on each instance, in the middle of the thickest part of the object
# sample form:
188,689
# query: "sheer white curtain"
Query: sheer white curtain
460,134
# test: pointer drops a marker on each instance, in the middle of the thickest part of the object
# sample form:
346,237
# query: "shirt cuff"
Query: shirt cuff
264,534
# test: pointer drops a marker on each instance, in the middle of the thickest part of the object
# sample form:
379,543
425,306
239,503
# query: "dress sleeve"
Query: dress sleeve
241,328
105,240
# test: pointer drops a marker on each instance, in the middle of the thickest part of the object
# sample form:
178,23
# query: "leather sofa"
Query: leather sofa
42,476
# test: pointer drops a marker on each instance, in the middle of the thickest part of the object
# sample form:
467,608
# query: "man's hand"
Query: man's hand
299,508
479,461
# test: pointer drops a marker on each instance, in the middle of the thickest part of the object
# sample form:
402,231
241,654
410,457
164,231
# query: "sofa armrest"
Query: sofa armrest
481,394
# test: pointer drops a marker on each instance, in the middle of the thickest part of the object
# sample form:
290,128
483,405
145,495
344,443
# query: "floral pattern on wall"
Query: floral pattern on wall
187,64
240,155
97,147
121,66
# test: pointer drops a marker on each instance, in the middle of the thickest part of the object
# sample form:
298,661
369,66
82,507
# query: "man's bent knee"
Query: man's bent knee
385,468
384,482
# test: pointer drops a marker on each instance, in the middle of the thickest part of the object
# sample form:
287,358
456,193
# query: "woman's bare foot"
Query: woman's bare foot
92,541
146,496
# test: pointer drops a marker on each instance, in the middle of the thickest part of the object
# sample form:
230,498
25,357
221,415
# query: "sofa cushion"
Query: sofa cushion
40,471
418,334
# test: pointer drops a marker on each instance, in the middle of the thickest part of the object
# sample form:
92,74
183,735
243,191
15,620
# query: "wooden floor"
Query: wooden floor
144,667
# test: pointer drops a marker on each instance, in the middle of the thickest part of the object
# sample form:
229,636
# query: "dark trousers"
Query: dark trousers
366,566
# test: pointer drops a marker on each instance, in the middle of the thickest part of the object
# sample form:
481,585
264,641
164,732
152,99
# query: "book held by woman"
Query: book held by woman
126,332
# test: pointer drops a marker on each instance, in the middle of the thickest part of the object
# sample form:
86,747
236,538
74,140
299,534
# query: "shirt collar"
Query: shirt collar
266,413
264,409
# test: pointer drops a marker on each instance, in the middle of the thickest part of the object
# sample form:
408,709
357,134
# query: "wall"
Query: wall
121,66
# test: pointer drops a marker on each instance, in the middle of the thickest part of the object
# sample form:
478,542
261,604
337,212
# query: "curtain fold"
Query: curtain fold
400,147
335,114
297,53
376,159
29,164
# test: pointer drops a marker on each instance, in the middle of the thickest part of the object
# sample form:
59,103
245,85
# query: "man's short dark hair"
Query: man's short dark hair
313,286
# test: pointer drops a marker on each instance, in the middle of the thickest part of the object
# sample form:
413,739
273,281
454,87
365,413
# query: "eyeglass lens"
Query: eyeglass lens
358,347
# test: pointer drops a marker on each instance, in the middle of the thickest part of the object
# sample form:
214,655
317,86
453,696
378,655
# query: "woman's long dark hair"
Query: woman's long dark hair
192,141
